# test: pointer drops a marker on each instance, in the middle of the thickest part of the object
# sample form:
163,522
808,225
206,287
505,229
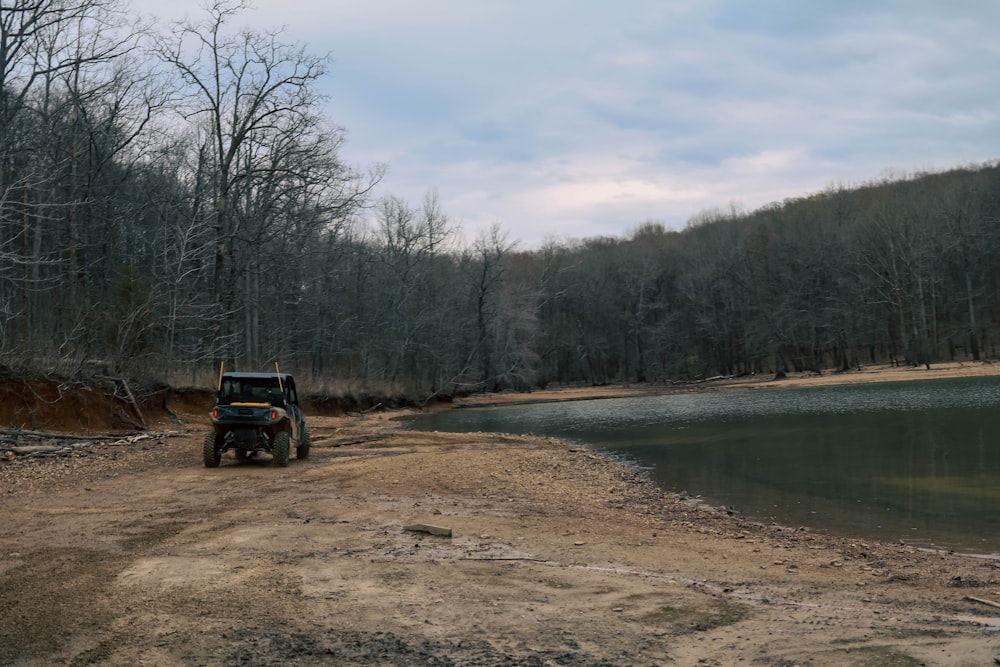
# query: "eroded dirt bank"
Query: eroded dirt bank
136,554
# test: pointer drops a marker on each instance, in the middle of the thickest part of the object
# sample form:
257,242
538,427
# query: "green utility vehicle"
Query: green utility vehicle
254,413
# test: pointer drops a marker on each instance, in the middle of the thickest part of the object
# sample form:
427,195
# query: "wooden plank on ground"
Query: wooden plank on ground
427,528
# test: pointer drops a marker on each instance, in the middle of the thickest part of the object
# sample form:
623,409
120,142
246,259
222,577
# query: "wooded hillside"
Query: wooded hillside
171,198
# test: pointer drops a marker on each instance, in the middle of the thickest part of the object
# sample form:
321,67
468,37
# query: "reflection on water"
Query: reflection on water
915,461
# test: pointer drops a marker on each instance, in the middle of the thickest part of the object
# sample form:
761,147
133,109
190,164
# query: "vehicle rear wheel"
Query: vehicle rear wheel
279,450
302,451
211,451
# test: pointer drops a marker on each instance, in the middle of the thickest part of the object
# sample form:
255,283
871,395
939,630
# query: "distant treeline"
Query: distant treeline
174,198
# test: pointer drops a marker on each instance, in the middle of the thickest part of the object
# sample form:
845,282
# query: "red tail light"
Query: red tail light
215,412
274,415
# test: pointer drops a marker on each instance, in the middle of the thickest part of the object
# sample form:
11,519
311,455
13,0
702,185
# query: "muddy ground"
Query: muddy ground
130,552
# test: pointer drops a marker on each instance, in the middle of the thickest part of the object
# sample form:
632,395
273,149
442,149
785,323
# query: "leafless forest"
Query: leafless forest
173,196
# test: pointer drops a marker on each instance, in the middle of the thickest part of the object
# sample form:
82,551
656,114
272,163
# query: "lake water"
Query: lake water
914,461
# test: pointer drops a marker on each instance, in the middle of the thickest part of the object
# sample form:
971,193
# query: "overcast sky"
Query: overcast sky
575,118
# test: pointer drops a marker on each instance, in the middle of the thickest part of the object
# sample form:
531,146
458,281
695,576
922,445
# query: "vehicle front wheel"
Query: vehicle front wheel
279,450
302,451
210,451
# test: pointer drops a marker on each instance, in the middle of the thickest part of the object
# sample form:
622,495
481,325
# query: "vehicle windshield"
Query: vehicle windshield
250,390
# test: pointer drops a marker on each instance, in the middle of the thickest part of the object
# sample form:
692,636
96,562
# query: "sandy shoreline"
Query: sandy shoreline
866,375
555,556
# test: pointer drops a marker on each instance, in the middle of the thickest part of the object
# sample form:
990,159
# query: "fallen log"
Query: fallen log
989,603
135,404
16,432
35,450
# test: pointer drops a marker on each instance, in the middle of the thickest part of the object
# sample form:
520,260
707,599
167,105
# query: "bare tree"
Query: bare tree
50,52
489,262
251,92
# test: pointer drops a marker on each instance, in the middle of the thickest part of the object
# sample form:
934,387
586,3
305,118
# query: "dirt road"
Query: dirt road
135,554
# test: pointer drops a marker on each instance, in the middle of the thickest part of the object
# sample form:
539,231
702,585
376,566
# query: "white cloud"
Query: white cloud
577,117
